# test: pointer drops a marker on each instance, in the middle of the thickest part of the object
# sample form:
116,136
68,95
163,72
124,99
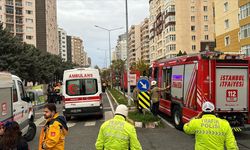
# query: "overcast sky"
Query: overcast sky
78,18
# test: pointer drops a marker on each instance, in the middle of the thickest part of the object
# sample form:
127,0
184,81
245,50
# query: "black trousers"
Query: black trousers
155,108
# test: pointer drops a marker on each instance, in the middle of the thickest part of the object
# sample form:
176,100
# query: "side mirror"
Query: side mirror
26,99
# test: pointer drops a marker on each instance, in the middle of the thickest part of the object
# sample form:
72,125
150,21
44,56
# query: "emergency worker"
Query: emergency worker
53,133
155,96
135,97
211,132
57,90
117,133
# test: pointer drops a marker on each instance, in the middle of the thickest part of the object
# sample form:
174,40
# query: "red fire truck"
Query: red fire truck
208,76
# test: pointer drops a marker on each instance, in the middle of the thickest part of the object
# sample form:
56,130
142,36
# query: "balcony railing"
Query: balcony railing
9,20
19,4
9,11
10,3
19,30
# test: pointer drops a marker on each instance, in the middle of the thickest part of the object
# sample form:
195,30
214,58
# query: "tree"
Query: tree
142,67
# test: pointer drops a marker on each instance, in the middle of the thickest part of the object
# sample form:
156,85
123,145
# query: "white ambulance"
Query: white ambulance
18,105
82,92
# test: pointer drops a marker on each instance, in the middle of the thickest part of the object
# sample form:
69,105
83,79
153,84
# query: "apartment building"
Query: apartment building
121,48
145,41
69,49
76,47
46,26
180,26
227,26
134,42
18,16
62,36
244,24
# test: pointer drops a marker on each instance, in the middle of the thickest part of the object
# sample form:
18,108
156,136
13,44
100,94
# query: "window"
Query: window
205,8
206,37
28,37
29,20
192,8
193,38
81,87
227,40
192,28
226,22
29,12
21,89
171,47
246,50
245,31
28,3
14,89
193,47
205,18
193,18
29,29
170,38
244,11
225,6
205,27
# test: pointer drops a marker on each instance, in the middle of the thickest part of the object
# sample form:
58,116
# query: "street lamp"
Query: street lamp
109,30
128,71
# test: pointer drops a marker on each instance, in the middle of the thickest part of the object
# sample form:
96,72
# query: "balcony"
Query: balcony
10,20
19,12
9,3
19,4
19,30
9,11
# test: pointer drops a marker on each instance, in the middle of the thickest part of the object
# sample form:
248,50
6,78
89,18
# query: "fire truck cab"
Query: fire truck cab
208,76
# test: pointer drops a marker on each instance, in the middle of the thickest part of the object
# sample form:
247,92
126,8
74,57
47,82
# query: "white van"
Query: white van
22,110
82,92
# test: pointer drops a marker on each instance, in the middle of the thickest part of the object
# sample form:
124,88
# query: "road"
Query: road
83,133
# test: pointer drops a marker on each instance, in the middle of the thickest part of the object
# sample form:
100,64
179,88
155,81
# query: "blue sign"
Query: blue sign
143,85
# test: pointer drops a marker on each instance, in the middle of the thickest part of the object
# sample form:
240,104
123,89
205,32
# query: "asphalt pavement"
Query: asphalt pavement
83,133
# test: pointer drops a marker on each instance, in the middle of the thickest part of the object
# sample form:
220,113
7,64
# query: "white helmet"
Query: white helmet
207,107
122,110
153,83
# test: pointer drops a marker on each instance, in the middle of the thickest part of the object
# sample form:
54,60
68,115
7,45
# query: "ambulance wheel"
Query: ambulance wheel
31,133
177,118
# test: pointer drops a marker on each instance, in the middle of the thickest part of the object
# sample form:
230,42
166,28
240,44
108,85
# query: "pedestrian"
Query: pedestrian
155,96
117,133
53,133
210,131
12,138
50,93
57,91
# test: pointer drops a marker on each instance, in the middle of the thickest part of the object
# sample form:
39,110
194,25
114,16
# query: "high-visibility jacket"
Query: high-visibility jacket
117,134
211,133
52,135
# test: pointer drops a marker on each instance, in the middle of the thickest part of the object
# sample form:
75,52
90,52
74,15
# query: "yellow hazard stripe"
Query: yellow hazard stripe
141,104
144,100
145,95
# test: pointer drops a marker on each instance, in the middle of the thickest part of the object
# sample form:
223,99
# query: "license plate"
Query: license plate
75,110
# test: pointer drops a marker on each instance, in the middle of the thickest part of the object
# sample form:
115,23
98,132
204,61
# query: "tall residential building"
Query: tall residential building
76,47
145,41
121,47
69,49
62,36
226,25
244,23
19,17
46,26
180,26
134,42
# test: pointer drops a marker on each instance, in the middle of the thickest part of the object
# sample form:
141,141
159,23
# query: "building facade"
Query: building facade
19,17
69,49
180,26
46,26
121,48
76,47
145,41
62,36
227,26
244,24
134,42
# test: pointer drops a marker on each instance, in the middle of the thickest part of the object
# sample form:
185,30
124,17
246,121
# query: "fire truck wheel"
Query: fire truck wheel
177,118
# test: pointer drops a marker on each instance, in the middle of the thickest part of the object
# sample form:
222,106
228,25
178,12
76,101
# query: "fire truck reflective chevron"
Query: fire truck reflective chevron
202,77
144,100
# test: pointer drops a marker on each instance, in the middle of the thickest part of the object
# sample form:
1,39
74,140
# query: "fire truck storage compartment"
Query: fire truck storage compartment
177,82
231,88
